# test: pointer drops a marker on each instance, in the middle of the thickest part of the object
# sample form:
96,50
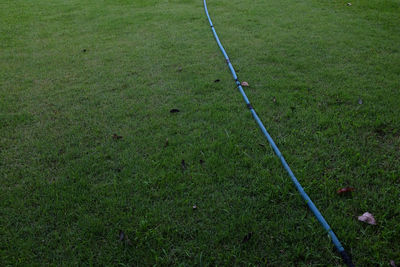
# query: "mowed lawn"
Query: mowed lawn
95,170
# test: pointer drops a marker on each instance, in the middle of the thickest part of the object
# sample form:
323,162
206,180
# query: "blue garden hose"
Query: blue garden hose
346,258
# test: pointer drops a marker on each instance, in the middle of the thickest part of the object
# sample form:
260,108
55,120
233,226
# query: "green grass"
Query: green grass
67,188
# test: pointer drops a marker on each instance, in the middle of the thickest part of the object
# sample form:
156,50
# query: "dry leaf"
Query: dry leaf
367,218
345,190
246,84
116,136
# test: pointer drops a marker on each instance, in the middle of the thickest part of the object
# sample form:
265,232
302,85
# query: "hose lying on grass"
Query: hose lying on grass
346,258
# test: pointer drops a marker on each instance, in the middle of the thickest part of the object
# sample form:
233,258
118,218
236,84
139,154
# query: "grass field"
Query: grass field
74,73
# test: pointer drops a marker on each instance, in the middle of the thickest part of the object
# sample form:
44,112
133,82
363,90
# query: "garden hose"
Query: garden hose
346,258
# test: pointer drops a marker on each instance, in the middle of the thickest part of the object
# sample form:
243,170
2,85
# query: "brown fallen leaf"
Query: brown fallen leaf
345,190
246,84
367,218
116,136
